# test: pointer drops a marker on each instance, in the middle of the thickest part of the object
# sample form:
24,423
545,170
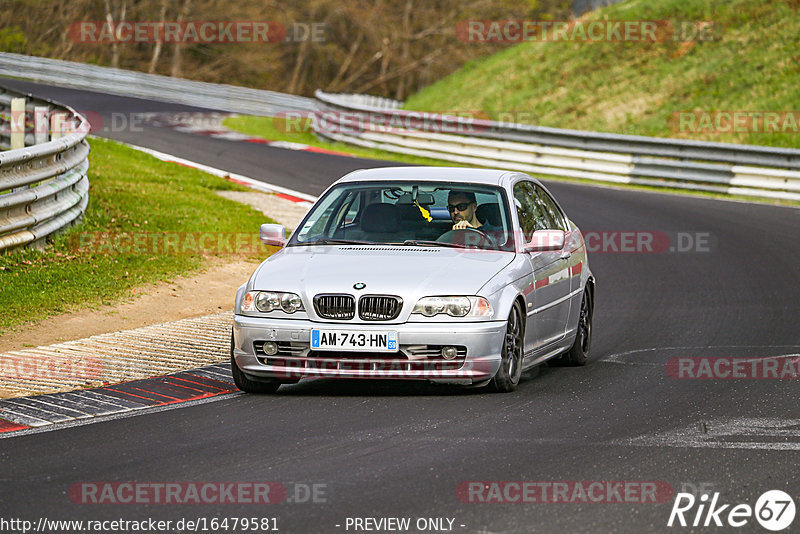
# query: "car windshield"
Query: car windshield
408,213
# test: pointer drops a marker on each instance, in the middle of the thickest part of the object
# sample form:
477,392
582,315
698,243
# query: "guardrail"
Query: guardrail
43,182
370,121
152,86
747,170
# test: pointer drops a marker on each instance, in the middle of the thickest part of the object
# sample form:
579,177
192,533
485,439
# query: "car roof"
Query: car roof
434,174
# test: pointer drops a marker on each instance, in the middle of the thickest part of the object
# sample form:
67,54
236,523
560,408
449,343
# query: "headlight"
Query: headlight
291,303
267,301
454,306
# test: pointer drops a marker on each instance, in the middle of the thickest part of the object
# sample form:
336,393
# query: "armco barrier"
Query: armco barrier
672,163
151,86
43,182
748,170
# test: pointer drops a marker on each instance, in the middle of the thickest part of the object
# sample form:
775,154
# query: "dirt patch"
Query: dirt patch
210,291
186,296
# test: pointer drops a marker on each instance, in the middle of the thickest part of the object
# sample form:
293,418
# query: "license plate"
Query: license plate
354,340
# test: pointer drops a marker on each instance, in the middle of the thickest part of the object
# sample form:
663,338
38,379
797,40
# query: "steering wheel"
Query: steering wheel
451,237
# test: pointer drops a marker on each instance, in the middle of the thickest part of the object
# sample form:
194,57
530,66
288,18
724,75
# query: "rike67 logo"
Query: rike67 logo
774,510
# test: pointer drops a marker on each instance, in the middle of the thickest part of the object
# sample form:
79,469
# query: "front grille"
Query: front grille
379,307
335,306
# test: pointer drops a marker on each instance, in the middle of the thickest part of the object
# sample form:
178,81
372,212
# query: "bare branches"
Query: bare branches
388,47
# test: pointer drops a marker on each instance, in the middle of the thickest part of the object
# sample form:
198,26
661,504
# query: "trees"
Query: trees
385,47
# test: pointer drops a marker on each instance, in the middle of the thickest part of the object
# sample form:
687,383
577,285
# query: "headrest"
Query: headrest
489,213
380,218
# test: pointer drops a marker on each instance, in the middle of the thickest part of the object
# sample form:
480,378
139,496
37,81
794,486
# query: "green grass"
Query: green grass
275,129
637,87
131,194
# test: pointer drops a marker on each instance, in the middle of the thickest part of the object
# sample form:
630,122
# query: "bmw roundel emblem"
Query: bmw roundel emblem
359,285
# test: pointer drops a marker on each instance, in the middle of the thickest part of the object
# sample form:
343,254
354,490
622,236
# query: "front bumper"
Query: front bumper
483,342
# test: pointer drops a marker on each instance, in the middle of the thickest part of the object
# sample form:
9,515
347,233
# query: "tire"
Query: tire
247,385
578,354
507,376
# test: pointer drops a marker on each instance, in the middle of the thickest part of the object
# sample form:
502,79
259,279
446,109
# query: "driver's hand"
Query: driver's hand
461,225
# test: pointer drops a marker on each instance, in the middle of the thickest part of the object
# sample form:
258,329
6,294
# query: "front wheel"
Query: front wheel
507,376
247,385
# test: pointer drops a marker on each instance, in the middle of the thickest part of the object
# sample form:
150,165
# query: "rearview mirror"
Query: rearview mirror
543,240
273,234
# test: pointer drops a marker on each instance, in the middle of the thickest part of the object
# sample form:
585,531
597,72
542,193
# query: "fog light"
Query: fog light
270,348
448,353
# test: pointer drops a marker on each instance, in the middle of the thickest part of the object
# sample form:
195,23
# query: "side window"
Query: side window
549,206
531,214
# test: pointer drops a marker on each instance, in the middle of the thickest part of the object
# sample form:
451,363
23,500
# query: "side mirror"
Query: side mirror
543,240
273,234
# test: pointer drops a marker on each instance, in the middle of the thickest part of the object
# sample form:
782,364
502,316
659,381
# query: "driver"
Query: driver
462,207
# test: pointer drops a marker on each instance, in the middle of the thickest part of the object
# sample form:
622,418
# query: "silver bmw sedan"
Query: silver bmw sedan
452,275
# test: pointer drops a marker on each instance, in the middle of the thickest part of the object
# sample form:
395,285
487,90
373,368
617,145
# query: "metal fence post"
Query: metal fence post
57,125
17,123
41,131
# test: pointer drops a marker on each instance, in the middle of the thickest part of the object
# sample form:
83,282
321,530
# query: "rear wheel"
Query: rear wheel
507,376
247,385
578,354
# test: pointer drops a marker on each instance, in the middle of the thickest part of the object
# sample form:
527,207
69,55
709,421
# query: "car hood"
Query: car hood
409,272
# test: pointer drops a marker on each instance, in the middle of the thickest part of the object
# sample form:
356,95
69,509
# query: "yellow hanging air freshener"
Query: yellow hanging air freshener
425,213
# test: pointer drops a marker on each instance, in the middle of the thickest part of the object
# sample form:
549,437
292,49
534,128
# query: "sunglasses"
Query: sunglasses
459,207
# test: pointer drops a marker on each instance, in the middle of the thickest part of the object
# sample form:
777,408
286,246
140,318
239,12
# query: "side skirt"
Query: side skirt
536,357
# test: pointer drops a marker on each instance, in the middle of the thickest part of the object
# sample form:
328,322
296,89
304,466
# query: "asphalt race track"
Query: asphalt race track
402,449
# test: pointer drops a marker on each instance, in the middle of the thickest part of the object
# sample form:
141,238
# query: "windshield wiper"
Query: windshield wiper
422,242
327,241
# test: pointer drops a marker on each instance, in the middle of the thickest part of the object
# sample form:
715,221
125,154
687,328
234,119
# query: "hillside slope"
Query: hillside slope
641,87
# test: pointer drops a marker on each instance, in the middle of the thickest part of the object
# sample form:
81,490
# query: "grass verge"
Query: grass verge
750,64
147,221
